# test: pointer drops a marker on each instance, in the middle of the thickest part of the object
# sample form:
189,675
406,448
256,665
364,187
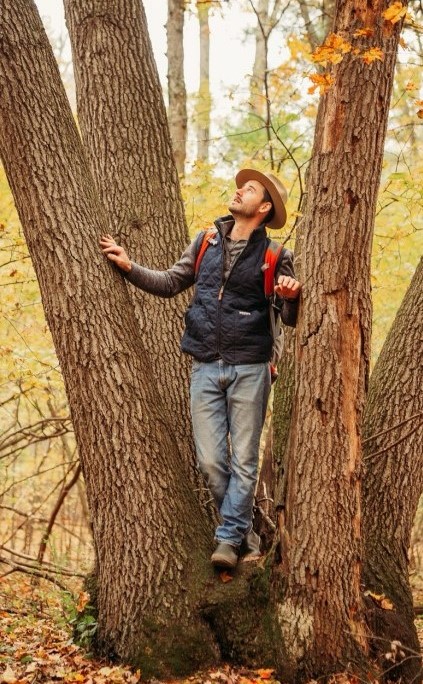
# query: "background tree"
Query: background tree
177,110
204,97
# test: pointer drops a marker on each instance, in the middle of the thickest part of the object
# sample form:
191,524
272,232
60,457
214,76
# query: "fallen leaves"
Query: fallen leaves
35,646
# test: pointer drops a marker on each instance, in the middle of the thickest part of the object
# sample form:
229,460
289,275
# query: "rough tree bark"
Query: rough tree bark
204,95
125,132
149,533
393,482
317,584
177,111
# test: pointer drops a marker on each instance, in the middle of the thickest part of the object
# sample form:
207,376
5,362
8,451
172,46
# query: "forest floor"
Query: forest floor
37,646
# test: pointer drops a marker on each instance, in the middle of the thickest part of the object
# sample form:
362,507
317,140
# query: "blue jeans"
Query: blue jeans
229,400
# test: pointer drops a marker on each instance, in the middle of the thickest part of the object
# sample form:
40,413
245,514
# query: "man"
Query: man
229,335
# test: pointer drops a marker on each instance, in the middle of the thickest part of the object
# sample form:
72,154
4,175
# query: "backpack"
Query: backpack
270,262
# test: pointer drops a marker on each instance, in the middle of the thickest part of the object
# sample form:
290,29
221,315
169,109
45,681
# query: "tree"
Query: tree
136,176
204,96
146,578
267,19
333,336
177,112
393,480
151,579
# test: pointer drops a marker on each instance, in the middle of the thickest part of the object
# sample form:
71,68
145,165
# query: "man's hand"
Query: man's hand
115,253
287,287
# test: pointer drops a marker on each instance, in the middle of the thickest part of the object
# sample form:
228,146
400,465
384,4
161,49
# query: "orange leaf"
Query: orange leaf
265,674
420,113
410,85
321,81
372,55
225,577
395,12
332,51
83,599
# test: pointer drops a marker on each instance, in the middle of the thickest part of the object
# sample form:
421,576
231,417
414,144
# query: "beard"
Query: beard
238,209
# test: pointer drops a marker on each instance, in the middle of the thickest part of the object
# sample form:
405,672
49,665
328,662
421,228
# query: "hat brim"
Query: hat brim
245,175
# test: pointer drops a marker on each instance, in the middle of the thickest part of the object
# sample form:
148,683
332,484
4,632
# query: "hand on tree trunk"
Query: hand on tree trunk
115,253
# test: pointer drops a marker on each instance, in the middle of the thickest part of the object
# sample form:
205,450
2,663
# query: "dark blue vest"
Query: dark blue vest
230,320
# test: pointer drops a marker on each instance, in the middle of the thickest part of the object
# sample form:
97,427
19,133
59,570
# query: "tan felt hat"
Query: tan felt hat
274,187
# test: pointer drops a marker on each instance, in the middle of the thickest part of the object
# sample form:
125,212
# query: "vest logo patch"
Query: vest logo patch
244,313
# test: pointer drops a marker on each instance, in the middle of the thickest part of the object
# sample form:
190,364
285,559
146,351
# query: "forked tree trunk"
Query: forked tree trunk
177,111
126,135
393,481
149,532
317,585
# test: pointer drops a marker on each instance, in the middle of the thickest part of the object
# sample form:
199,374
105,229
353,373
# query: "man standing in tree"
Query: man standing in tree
229,335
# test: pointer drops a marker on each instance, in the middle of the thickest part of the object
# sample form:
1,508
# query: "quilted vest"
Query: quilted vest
230,320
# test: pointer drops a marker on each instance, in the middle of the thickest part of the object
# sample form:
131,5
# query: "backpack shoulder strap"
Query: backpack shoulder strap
271,258
208,235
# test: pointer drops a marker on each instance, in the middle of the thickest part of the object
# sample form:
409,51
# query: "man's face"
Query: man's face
248,200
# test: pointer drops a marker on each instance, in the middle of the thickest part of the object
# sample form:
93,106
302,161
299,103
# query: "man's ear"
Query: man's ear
265,207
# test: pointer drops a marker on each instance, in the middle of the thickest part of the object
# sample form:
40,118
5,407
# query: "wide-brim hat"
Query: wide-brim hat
274,187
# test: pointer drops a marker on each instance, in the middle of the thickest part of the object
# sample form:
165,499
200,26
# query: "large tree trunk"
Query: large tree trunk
177,111
204,95
317,584
149,533
393,481
124,128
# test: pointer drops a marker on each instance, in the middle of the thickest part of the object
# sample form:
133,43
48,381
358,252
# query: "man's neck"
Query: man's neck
243,228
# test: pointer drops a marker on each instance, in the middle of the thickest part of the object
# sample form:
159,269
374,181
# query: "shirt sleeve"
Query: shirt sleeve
288,307
170,282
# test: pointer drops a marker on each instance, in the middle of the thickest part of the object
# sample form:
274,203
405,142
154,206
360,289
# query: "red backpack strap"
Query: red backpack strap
271,258
208,235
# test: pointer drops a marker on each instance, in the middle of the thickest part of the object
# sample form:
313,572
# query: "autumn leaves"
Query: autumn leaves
336,47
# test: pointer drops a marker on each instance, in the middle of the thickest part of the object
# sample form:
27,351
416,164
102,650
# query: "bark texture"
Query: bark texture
126,135
177,112
319,605
149,533
204,95
393,482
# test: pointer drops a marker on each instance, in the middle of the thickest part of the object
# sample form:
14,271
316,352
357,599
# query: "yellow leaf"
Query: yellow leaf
395,12
8,676
372,55
321,81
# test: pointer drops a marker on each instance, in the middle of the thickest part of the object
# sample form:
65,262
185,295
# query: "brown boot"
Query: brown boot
225,555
